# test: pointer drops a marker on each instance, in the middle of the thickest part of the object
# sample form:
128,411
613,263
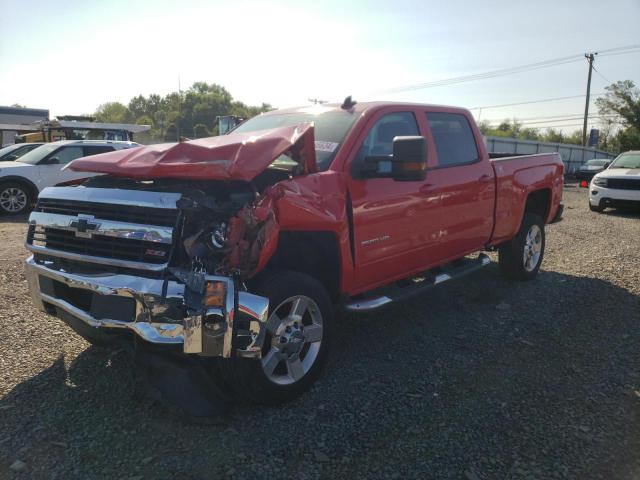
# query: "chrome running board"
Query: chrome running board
397,293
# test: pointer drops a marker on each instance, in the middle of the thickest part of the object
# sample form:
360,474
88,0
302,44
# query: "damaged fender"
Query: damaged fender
290,205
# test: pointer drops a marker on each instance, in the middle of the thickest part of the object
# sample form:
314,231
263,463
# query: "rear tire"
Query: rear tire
520,259
300,328
15,198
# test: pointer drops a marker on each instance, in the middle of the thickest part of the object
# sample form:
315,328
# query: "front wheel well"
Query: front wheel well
312,253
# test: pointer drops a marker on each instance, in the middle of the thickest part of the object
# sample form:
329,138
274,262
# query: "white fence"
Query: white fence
572,155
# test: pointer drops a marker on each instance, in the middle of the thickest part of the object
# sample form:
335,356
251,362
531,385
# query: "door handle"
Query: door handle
485,178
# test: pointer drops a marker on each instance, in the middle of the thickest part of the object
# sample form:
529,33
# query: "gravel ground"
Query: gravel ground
479,379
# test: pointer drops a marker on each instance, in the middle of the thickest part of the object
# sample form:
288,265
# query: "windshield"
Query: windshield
330,128
597,163
9,149
627,160
37,154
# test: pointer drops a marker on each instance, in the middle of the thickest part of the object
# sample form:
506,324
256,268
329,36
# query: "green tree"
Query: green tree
628,139
574,138
529,134
189,113
113,112
200,131
622,99
508,128
553,135
171,133
621,104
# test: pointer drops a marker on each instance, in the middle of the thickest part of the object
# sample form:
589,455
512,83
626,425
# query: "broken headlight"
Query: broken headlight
219,235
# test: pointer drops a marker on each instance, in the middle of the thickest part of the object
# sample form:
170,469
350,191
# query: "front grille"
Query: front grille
99,245
123,213
623,184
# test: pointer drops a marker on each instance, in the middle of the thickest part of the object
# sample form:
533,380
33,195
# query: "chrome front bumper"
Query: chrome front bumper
234,329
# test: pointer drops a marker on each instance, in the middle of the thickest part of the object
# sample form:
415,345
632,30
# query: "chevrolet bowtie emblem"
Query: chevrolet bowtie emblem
83,226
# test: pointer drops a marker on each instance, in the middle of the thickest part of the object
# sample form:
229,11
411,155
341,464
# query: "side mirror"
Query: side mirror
407,164
606,165
409,159
50,161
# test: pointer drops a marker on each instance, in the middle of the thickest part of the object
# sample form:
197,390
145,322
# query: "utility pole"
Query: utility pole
180,113
590,57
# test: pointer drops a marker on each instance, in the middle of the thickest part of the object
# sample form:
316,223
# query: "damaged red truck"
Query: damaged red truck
237,251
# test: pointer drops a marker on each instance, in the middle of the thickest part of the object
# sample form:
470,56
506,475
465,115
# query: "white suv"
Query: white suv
21,180
618,185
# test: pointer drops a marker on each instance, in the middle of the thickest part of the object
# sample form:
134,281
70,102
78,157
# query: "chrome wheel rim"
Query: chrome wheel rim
295,331
532,248
13,199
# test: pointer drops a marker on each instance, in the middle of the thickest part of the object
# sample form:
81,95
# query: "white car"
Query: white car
618,185
21,180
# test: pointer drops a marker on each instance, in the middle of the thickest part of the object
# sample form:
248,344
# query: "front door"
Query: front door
392,220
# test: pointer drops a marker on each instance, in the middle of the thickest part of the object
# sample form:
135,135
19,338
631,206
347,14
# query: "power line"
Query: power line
532,101
481,76
550,117
601,75
559,121
546,122
636,50
559,126
610,51
508,71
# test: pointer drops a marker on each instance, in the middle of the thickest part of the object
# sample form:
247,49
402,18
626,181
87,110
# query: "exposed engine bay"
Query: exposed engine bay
222,225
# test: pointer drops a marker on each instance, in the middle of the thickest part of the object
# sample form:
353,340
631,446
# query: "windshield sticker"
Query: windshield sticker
326,146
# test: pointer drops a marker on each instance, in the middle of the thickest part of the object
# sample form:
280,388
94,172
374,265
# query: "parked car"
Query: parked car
618,185
13,152
243,246
591,168
44,166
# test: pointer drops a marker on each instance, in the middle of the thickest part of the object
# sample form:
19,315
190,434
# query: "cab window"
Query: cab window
379,140
96,149
454,139
66,154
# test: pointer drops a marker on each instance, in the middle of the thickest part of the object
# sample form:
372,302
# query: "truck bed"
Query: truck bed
517,176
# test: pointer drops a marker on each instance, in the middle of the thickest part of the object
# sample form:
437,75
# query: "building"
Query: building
17,120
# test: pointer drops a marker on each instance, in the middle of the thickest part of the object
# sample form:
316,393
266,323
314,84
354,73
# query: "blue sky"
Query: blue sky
70,56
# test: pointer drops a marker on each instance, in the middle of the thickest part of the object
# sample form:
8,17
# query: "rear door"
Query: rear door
465,183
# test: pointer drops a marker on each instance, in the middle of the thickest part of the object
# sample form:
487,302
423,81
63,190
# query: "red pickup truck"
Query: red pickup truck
238,250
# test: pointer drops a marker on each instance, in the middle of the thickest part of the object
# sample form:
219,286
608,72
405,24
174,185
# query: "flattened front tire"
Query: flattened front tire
300,328
520,259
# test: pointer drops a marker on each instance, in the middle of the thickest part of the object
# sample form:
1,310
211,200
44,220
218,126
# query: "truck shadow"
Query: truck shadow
482,372
623,212
14,218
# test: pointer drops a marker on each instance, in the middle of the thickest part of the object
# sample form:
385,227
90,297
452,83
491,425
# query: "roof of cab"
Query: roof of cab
359,107
93,142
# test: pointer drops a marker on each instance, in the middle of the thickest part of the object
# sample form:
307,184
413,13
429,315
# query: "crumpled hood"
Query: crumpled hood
239,156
